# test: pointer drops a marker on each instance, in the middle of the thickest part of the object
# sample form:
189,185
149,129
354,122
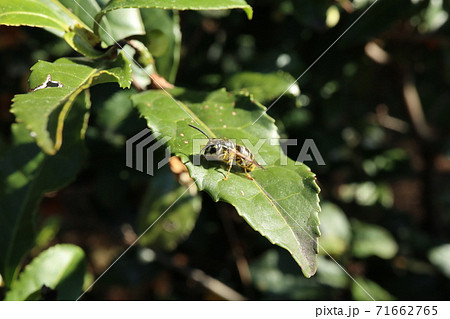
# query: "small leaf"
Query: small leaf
371,240
26,174
44,111
264,87
176,225
61,267
281,202
177,5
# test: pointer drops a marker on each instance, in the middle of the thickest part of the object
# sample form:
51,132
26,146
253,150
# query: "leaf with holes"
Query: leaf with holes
44,110
281,202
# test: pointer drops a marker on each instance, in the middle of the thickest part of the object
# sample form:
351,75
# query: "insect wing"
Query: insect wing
246,157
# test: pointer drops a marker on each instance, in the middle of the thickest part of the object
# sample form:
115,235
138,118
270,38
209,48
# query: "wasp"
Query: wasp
226,151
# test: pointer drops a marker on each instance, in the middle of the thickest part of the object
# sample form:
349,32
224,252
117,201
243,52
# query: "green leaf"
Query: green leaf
116,26
281,202
43,111
440,257
376,291
335,229
142,65
275,281
371,240
85,10
163,40
114,112
329,273
177,5
26,174
84,41
176,225
61,267
48,232
37,13
264,87
123,23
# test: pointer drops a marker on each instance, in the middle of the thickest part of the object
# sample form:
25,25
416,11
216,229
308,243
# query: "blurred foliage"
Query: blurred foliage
440,257
371,290
376,105
60,268
264,87
174,227
335,228
372,240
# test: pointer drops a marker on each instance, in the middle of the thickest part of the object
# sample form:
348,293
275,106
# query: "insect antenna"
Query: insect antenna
200,130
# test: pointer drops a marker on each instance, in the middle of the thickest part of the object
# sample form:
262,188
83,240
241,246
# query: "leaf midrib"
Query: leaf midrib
64,26
274,204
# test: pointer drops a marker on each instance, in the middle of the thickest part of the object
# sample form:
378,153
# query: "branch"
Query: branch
415,109
203,279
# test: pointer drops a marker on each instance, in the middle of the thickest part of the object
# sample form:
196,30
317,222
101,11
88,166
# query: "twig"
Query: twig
415,109
197,275
384,119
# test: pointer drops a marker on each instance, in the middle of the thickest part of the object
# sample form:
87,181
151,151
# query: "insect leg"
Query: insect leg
247,174
229,169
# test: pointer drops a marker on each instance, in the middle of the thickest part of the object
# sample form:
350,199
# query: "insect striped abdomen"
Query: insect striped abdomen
245,159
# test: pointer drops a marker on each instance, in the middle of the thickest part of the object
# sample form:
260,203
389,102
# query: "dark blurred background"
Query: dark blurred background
377,105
